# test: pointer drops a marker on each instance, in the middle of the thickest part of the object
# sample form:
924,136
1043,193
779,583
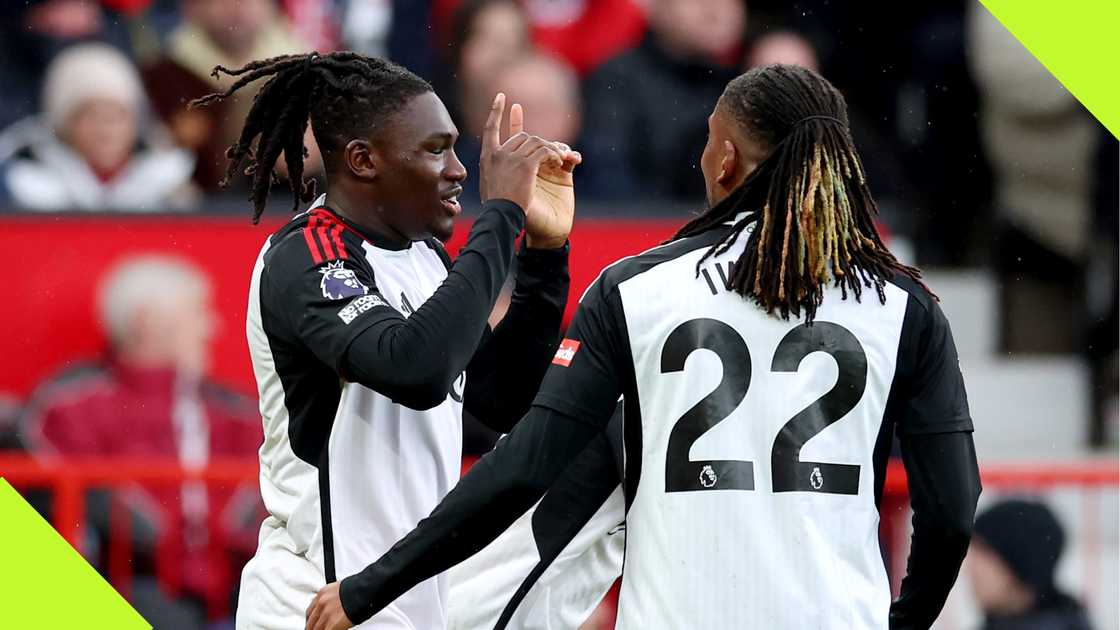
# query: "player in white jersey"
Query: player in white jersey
367,343
767,355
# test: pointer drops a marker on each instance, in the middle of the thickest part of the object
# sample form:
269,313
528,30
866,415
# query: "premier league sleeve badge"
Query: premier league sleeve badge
338,282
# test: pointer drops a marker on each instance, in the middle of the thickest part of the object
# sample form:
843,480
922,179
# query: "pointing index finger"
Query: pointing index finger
491,132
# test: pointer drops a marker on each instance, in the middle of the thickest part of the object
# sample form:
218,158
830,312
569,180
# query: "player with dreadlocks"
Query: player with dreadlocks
366,341
761,395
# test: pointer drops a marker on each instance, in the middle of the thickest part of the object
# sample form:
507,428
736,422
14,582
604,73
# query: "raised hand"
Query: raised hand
508,170
550,214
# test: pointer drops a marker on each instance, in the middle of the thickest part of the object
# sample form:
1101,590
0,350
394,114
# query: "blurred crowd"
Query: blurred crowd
949,110
977,155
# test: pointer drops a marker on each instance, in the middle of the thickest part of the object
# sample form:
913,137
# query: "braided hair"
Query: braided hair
812,212
342,94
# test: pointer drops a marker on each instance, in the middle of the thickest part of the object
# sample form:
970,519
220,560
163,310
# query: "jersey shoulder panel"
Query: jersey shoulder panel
917,291
314,238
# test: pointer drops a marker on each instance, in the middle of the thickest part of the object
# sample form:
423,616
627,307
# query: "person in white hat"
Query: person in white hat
90,149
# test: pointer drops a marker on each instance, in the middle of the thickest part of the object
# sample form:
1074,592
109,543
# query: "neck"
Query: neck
357,209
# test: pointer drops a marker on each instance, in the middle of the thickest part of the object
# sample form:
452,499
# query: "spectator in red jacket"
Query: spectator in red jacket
585,33
150,399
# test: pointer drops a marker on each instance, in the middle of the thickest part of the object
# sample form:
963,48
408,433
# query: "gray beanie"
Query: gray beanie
85,72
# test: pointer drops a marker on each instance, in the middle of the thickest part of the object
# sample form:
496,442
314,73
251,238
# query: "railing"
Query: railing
70,479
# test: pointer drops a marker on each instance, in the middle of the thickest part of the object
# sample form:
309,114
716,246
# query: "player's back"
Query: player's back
756,451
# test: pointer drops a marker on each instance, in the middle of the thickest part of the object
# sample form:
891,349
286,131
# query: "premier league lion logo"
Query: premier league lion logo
708,477
816,479
339,282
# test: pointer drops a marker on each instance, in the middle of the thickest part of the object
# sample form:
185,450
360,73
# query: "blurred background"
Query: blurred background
127,403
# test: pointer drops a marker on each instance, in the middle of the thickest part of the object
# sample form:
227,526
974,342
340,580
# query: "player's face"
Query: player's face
420,177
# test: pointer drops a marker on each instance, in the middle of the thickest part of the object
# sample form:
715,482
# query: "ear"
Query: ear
728,166
361,159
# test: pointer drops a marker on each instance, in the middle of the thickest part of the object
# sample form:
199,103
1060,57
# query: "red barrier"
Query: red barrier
58,262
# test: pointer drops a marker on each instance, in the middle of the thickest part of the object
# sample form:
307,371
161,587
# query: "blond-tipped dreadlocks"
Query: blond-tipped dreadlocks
813,213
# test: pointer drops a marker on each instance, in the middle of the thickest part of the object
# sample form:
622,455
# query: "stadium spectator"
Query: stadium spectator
1041,144
586,33
150,399
89,150
647,109
583,33
782,46
484,35
32,32
1015,548
547,89
214,32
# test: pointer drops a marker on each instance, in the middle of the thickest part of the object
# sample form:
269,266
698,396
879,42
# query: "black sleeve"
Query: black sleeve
592,364
935,431
414,361
932,388
350,327
511,478
507,369
944,485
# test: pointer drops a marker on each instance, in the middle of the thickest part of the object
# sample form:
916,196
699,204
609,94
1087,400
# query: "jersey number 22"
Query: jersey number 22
788,472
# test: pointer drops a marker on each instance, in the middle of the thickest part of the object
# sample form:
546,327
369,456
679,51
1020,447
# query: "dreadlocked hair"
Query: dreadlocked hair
812,212
342,94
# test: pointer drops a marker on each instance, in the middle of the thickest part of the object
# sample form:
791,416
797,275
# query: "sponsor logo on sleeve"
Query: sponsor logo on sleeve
566,352
338,282
359,305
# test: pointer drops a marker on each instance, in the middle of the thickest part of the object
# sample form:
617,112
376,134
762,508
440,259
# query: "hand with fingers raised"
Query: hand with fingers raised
532,172
552,210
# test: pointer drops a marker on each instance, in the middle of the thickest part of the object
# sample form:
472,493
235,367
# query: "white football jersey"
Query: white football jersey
755,447
385,466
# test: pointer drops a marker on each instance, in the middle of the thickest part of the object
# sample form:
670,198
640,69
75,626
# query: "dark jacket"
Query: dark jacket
647,122
1054,612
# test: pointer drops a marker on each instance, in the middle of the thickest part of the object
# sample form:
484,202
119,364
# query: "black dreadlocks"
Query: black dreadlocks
343,95
813,214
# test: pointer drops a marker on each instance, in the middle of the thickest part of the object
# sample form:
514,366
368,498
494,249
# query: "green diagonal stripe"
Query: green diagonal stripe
45,583
1078,42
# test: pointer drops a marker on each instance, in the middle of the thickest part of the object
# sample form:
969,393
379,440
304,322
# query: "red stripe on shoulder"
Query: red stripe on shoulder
328,251
336,235
329,229
316,257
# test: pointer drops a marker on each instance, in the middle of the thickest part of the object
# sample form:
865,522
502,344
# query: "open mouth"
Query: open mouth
450,200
